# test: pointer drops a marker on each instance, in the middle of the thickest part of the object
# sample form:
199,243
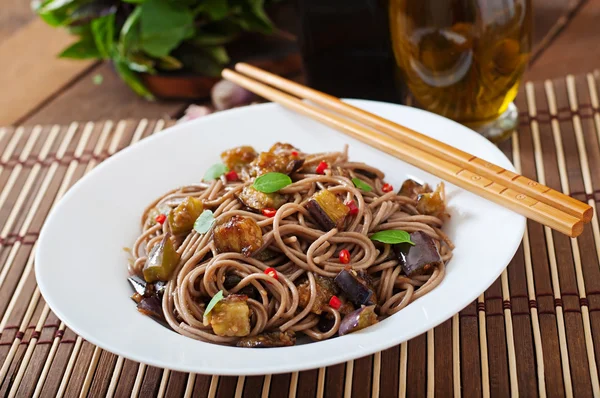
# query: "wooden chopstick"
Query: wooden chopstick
437,148
455,174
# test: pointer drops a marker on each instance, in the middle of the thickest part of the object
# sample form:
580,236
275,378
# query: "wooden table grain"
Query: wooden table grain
38,88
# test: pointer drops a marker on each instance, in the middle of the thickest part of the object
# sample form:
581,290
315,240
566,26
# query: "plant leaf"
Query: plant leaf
83,49
203,39
56,12
271,182
216,9
103,30
217,53
360,184
169,63
216,298
130,32
258,9
132,79
215,171
392,236
204,223
164,25
197,61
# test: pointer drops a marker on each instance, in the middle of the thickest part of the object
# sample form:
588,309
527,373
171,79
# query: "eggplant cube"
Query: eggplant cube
238,234
418,259
239,157
356,287
357,320
231,317
326,288
256,200
327,209
269,339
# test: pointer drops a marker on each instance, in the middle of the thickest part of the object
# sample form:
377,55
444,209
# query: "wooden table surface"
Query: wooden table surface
38,88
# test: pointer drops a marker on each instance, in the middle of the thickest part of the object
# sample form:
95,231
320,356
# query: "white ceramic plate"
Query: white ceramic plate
81,267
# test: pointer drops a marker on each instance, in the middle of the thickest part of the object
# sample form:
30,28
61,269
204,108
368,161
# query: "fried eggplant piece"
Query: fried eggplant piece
162,261
256,200
230,316
433,203
280,148
182,218
268,162
326,288
238,234
327,209
269,339
238,158
357,287
357,320
413,189
420,258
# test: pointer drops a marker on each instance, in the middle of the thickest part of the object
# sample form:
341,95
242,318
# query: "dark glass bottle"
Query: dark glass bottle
346,50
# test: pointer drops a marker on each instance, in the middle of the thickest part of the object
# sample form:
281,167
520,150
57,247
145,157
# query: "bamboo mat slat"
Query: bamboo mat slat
534,332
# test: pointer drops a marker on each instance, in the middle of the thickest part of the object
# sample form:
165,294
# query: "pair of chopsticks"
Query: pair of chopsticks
516,192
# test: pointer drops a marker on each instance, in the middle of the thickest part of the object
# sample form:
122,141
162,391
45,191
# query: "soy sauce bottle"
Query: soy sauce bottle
346,49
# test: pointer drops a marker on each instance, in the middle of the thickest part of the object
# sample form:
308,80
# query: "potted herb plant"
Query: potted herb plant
153,42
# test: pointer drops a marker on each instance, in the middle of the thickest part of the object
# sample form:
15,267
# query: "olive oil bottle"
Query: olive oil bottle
463,59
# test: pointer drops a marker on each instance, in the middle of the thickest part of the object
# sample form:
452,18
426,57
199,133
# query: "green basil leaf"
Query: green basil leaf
272,182
392,236
205,222
56,12
258,9
103,30
216,298
360,184
164,25
130,32
132,79
216,9
215,171
217,53
213,39
83,49
169,63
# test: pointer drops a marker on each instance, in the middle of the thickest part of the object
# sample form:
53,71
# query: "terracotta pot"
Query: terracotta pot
172,86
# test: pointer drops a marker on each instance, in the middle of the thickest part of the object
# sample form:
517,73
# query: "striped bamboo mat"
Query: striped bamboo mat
536,331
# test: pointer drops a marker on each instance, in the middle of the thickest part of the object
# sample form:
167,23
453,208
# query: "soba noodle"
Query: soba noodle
301,249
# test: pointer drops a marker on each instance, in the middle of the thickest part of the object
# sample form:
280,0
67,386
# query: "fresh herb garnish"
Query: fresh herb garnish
272,182
204,223
216,298
392,236
360,184
215,171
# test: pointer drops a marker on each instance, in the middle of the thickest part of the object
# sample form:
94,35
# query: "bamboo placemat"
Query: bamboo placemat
535,331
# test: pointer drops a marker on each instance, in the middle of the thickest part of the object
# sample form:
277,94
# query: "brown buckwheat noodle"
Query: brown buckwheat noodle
304,250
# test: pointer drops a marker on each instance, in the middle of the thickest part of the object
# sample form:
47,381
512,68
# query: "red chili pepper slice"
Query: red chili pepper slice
353,208
335,303
160,219
344,256
232,176
271,272
322,167
269,212
294,153
387,188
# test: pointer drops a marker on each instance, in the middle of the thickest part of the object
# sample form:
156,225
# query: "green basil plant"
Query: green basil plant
149,36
